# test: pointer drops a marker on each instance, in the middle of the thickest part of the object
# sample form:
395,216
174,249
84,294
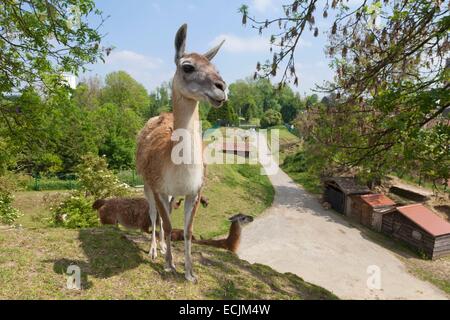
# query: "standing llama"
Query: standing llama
196,79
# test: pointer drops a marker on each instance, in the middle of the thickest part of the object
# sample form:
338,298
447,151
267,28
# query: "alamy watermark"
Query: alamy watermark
374,279
73,277
228,146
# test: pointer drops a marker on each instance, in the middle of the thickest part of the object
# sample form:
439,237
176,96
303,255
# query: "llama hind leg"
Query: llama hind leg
153,253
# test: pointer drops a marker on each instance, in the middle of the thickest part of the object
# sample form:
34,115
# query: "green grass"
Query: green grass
295,166
31,205
115,264
285,136
440,278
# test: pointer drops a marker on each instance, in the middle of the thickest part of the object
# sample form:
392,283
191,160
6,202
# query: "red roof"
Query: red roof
377,200
426,219
243,147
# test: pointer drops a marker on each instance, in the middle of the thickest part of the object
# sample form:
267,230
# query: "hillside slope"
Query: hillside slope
115,265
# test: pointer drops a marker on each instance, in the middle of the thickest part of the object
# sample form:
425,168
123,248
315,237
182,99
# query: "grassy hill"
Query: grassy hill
115,263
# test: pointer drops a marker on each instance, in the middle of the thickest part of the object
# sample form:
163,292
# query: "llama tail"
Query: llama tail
98,204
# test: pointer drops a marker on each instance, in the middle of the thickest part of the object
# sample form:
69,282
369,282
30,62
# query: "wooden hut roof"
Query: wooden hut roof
348,185
426,219
377,200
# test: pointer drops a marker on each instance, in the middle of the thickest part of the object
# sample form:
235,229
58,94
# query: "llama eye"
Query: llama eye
188,68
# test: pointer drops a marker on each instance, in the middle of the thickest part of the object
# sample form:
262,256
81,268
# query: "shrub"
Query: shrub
271,118
8,214
296,162
96,181
73,212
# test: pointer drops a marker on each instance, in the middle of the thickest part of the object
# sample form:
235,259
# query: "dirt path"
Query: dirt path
297,235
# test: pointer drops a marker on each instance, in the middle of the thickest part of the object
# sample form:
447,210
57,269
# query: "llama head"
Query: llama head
196,77
241,219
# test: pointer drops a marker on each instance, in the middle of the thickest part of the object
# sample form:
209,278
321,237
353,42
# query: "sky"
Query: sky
142,33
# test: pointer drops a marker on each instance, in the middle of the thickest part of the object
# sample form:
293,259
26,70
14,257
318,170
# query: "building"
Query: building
338,192
369,209
420,228
70,79
240,149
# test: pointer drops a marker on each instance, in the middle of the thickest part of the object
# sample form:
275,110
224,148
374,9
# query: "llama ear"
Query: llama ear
212,53
180,42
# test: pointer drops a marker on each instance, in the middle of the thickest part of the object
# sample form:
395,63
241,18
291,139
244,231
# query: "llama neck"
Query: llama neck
185,113
235,232
186,117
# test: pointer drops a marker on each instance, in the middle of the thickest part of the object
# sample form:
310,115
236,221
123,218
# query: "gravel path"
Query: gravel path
297,235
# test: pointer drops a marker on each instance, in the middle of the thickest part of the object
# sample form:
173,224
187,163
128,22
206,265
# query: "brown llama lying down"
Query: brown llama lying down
233,240
130,213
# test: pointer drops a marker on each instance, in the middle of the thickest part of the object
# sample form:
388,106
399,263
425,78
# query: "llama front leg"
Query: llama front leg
153,253
190,209
162,238
162,204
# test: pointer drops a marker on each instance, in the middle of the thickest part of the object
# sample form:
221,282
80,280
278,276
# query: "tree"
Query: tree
88,93
390,88
118,130
125,92
160,100
271,118
39,40
291,104
224,115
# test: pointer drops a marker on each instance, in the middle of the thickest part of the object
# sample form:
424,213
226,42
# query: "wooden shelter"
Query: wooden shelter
338,192
240,149
369,209
419,227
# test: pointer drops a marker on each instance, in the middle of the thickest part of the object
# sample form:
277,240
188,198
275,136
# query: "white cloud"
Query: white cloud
147,70
131,60
262,5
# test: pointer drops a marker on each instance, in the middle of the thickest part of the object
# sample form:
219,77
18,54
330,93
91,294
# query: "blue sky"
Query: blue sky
142,32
